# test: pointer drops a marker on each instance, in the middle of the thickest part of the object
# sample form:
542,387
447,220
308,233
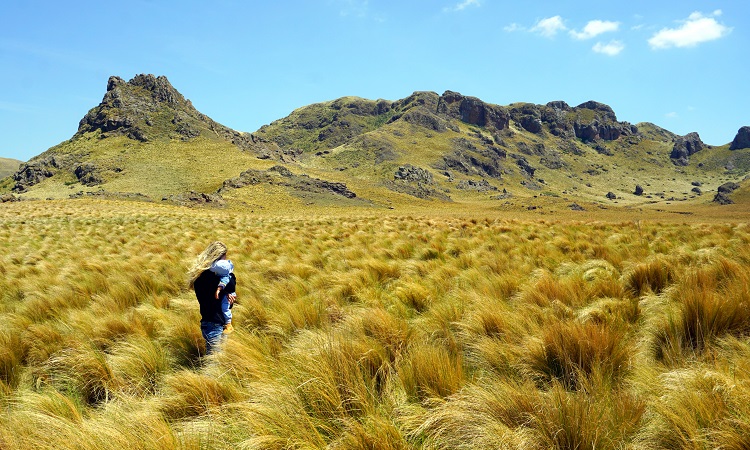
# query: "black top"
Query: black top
205,291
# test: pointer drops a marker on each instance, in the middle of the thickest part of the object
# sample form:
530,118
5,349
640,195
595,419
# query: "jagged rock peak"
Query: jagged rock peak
742,139
160,88
132,108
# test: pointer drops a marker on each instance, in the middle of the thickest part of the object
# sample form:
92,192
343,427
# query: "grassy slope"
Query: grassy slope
155,169
8,166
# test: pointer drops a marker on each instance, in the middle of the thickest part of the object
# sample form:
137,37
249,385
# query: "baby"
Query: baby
223,267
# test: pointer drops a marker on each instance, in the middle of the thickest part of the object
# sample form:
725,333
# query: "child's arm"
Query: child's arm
223,281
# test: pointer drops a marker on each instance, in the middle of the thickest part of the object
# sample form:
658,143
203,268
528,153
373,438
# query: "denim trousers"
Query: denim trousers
213,333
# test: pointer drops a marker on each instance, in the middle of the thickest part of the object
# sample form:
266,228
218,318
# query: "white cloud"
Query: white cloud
595,28
695,30
549,27
612,48
513,27
463,5
671,115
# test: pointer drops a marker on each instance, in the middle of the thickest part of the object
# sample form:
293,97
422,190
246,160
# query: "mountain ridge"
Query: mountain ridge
427,146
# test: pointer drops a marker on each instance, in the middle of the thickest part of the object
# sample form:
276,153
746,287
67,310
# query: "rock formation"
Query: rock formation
741,140
685,146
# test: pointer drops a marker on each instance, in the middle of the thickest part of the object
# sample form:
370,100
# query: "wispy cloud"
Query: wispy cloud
463,5
549,27
513,28
698,28
595,28
612,48
671,115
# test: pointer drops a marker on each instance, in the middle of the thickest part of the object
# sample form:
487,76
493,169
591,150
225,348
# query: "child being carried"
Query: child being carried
223,268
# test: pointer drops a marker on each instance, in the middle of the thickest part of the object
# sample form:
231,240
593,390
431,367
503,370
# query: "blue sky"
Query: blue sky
682,65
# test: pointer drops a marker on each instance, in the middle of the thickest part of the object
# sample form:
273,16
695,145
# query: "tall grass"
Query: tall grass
371,332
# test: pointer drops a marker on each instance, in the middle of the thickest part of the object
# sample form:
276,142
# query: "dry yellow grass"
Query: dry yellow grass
378,332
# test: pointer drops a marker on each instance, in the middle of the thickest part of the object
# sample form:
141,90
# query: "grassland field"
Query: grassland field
365,330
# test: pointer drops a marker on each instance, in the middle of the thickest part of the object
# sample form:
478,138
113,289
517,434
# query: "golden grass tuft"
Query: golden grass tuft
650,277
712,303
571,353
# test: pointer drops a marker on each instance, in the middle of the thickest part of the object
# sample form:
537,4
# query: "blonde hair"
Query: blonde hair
214,252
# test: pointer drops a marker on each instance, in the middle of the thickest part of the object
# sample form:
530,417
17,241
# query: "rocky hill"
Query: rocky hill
146,141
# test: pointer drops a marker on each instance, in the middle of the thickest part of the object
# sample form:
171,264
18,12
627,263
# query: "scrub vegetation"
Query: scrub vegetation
422,331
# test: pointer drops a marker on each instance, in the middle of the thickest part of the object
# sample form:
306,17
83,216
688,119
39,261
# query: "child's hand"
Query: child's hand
218,289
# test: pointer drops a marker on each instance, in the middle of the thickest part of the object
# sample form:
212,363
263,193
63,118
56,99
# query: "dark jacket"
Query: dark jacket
205,291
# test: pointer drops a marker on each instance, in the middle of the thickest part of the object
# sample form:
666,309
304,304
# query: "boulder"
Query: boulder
723,191
741,140
88,175
638,190
611,195
722,199
728,187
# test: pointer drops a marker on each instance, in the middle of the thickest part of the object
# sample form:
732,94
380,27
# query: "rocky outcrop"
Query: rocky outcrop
479,186
424,119
88,174
525,166
594,120
589,121
35,172
413,174
723,192
192,198
281,176
415,181
684,146
473,111
471,159
741,140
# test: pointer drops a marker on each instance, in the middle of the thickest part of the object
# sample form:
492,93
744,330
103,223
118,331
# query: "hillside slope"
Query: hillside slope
146,141
8,166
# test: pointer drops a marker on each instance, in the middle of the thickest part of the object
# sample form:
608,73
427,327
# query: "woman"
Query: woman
205,283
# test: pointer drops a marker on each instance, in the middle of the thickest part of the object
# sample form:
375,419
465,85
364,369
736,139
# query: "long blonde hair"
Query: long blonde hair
214,252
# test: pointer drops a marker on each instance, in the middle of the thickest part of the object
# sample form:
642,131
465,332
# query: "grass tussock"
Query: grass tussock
650,277
371,332
573,353
711,303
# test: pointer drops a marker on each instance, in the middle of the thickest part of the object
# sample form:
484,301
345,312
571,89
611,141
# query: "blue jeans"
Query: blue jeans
213,333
